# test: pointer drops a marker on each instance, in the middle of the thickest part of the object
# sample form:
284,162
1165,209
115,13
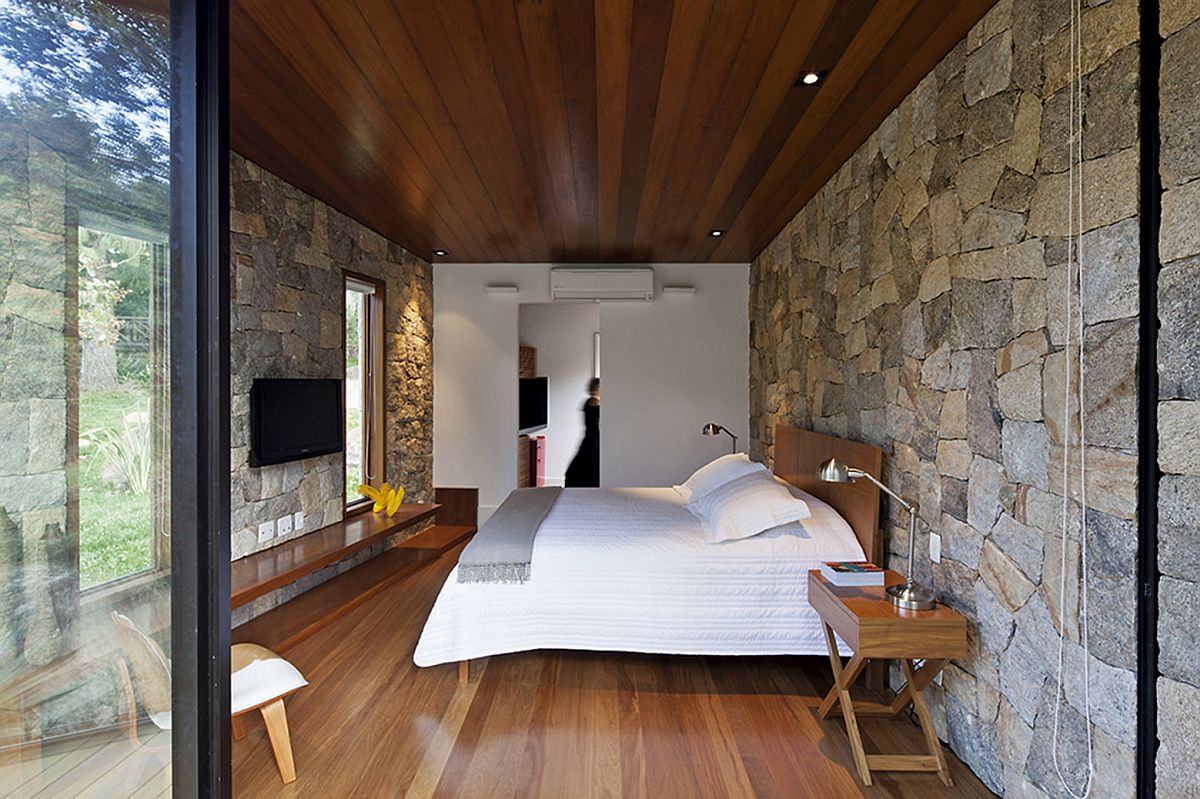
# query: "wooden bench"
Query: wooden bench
454,512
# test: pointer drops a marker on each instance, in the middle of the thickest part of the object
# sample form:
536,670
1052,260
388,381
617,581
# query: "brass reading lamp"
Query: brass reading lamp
712,429
909,596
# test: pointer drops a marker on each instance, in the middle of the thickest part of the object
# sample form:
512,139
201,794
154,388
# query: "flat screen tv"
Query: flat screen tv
291,419
532,404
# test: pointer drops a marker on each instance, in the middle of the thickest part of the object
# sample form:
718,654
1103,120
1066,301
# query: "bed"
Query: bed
628,569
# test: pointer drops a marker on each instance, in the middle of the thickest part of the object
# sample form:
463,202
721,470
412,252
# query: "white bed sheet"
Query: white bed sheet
628,570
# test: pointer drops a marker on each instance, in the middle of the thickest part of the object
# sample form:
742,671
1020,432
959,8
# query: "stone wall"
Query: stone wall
1179,410
287,253
916,303
38,577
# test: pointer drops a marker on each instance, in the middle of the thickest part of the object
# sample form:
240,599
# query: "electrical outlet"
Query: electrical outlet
266,531
284,525
298,520
935,547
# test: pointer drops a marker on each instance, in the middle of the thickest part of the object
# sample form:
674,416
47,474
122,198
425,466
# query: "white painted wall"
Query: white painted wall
668,367
563,333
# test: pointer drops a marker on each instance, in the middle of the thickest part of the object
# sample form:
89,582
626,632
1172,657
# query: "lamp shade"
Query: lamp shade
711,429
833,471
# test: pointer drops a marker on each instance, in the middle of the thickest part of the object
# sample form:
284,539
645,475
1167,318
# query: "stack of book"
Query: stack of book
853,572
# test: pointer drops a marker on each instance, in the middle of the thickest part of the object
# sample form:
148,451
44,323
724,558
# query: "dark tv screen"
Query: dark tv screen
291,419
532,405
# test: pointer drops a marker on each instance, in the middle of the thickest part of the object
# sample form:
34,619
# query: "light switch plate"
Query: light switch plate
266,531
935,547
283,525
298,520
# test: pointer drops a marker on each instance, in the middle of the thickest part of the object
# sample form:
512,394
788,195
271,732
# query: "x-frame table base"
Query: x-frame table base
838,699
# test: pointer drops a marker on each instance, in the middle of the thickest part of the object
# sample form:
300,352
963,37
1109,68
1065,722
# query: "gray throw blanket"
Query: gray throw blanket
503,548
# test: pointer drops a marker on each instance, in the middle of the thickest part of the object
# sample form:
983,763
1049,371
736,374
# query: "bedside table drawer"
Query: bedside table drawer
873,627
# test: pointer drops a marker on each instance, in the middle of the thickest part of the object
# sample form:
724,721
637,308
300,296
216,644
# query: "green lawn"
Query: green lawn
115,528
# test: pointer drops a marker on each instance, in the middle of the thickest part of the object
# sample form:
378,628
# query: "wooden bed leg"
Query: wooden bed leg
464,671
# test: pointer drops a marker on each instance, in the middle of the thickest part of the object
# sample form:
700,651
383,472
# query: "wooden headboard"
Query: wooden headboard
798,453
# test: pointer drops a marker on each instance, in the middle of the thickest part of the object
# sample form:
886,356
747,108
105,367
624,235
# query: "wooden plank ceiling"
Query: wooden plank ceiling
532,131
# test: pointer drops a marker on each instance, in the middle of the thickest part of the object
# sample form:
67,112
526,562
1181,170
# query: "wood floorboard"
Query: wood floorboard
560,724
103,765
22,768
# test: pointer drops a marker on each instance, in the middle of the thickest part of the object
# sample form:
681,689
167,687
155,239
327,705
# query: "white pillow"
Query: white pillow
747,506
717,473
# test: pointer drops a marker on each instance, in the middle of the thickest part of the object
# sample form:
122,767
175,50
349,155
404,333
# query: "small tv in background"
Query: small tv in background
531,411
291,419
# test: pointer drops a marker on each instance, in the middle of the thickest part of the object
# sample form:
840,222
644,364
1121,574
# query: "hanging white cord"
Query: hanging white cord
1071,316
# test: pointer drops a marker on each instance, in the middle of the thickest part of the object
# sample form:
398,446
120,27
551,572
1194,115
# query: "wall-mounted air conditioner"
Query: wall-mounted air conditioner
602,283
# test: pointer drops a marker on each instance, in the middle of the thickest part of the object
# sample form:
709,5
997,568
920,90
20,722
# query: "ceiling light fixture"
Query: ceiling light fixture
809,78
716,234
440,253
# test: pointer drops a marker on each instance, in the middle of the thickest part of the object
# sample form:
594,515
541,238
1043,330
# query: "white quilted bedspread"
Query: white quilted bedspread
628,570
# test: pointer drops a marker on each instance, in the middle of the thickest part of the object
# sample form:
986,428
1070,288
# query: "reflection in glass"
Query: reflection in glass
84,406
355,388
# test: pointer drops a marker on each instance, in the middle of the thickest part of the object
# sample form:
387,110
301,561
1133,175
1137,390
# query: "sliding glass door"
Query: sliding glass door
93,142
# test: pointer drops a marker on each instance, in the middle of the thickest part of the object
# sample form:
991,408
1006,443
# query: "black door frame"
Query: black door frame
200,612
1149,209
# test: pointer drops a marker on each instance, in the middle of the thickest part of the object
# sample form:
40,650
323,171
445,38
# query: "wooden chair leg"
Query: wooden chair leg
464,671
239,728
126,685
277,730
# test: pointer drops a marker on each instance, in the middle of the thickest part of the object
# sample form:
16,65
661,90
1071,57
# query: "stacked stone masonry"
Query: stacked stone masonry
38,598
287,253
916,302
1179,401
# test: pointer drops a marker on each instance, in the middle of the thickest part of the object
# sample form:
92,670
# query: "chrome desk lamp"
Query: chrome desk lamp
909,596
712,429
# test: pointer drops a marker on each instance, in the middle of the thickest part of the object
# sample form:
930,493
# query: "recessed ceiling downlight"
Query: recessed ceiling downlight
440,253
716,234
809,78
76,25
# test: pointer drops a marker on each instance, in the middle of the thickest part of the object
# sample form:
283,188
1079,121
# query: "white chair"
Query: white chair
259,680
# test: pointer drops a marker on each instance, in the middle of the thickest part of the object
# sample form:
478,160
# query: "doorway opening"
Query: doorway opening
560,345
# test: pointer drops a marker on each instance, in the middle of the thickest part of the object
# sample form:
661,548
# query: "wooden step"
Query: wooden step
297,619
440,537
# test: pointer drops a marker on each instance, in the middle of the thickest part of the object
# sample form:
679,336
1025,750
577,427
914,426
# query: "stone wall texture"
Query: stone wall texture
1179,406
287,253
916,302
38,578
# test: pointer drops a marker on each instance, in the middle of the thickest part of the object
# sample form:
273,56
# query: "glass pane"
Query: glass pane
117,320
84,409
356,364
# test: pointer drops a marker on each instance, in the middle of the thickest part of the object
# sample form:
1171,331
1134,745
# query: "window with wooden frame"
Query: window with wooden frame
117,397
363,385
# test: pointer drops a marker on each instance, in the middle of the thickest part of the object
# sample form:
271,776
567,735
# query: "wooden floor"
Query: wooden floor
105,765
559,724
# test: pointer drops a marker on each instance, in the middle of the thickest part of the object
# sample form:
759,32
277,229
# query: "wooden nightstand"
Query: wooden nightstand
875,629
